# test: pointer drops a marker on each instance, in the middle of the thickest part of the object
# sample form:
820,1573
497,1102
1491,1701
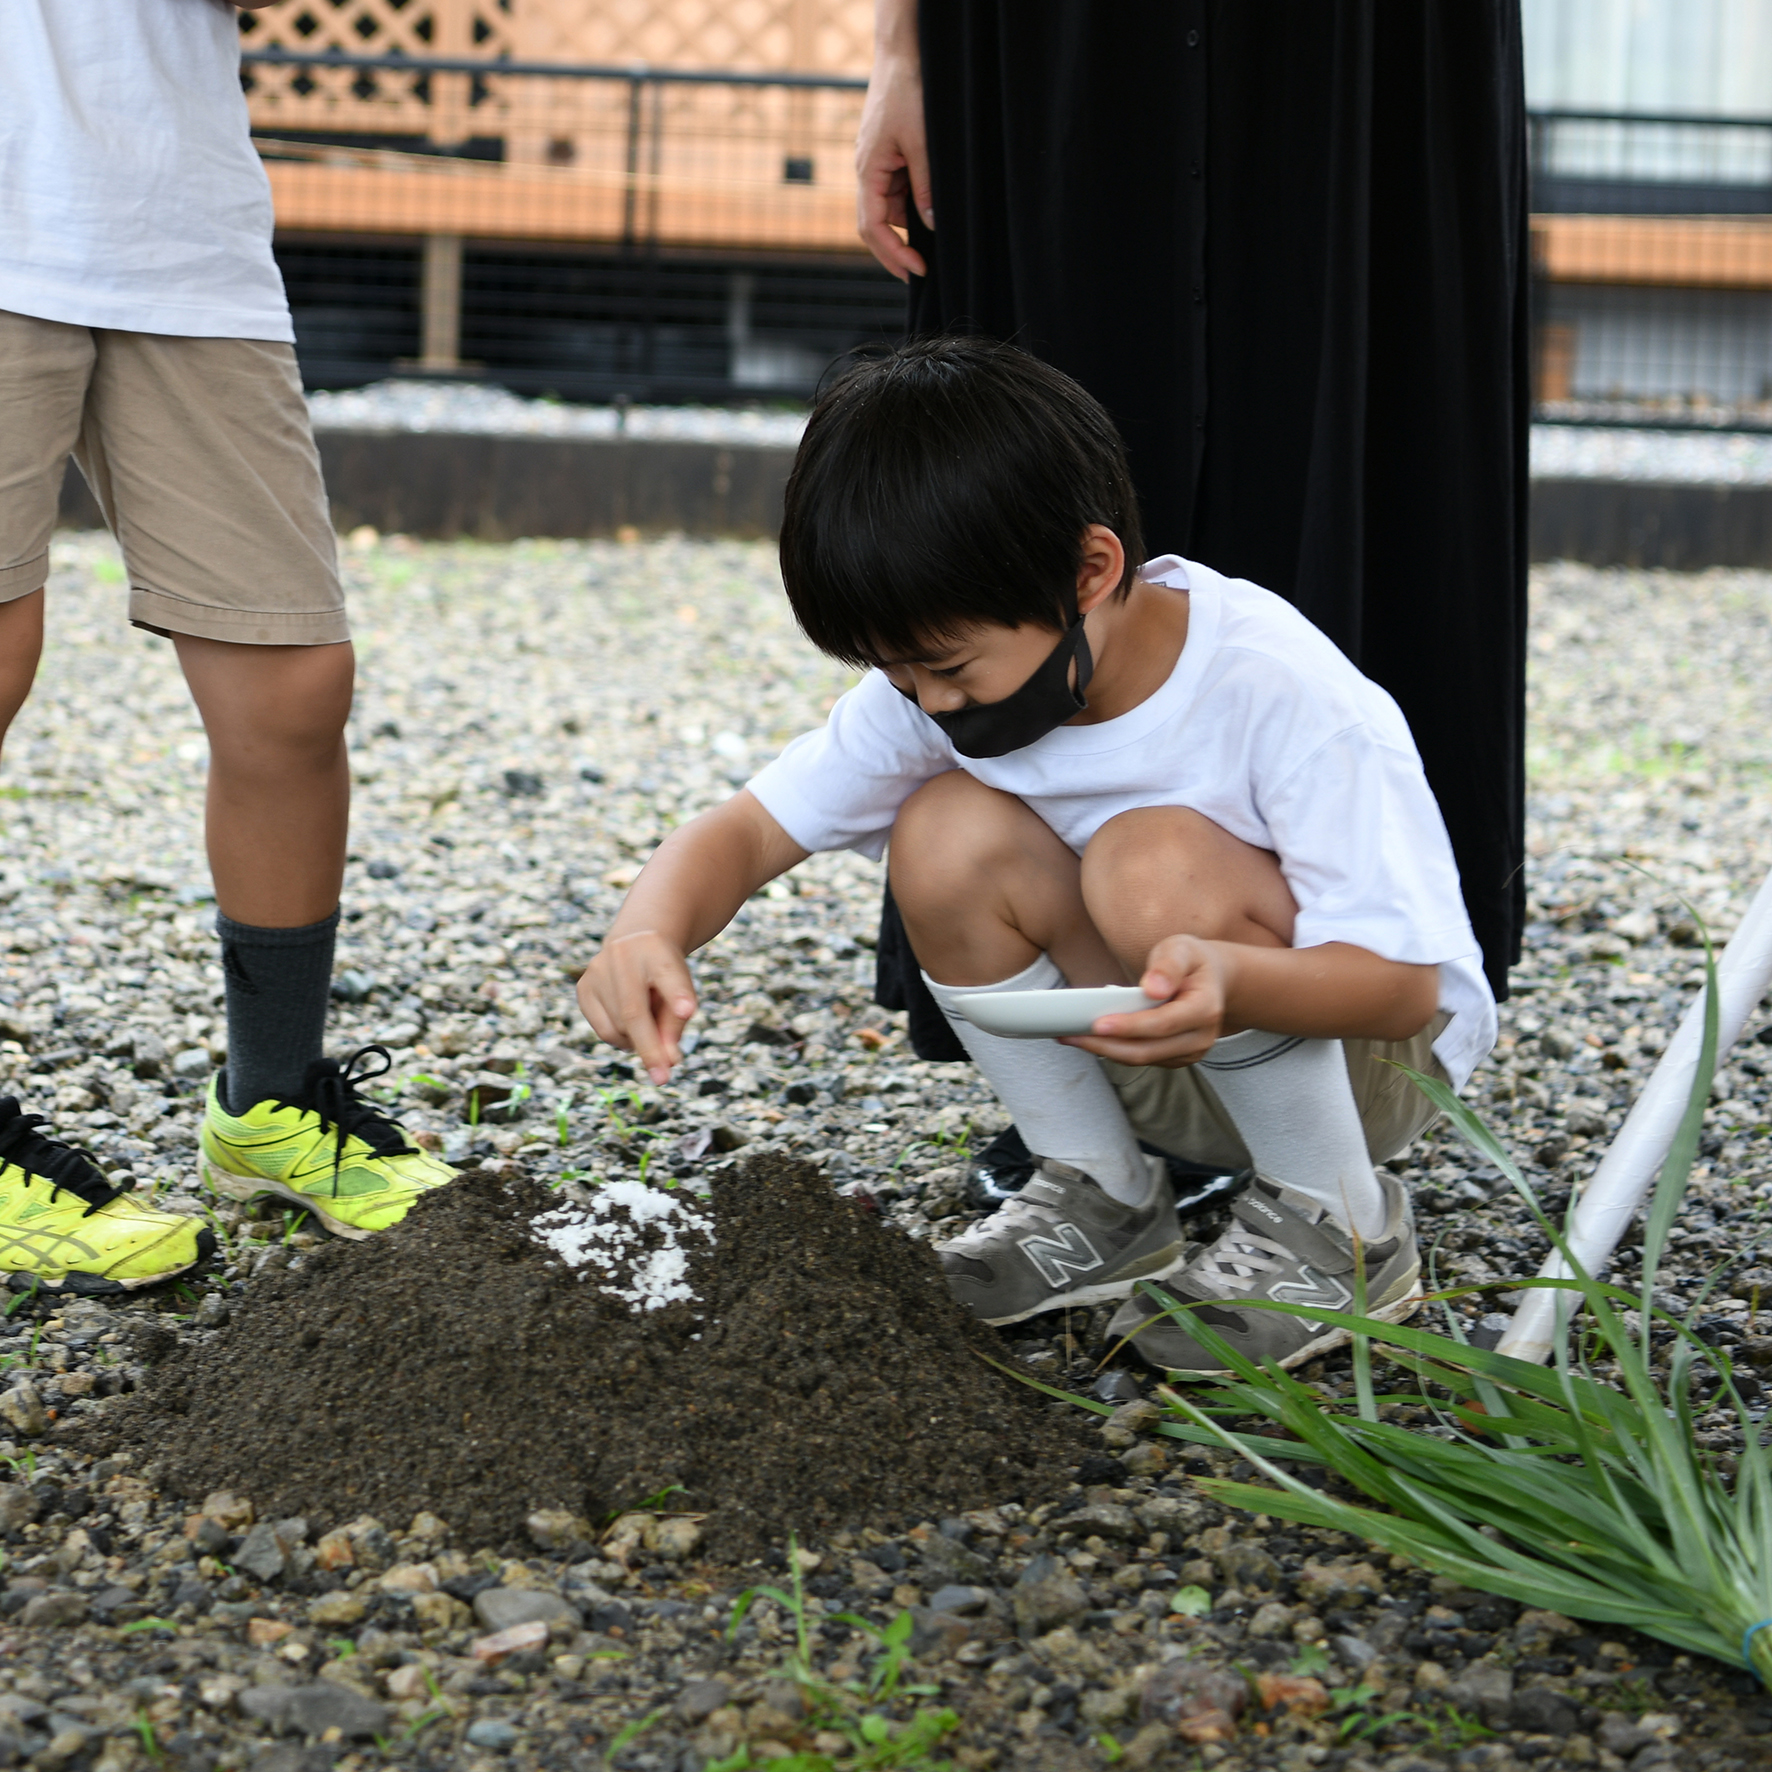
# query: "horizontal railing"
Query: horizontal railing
1649,162
641,72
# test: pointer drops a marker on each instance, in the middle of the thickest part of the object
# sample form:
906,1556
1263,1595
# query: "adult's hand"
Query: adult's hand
891,158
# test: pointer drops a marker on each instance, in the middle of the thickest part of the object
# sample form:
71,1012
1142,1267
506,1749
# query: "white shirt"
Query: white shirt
1263,726
130,193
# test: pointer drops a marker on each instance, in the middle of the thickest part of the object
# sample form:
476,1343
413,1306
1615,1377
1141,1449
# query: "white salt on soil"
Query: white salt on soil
609,1236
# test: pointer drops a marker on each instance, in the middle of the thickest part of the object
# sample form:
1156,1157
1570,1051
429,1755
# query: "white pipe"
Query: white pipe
1628,1170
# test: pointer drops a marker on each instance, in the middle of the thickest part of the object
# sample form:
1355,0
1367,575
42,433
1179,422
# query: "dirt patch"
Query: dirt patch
820,1377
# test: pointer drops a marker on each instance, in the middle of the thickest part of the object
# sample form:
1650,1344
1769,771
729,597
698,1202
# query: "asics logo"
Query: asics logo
1311,1288
1060,1255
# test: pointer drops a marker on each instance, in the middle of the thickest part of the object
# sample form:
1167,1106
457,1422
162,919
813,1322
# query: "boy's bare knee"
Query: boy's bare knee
947,834
1168,870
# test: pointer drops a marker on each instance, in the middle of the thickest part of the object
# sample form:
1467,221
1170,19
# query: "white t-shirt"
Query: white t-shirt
130,193
1263,726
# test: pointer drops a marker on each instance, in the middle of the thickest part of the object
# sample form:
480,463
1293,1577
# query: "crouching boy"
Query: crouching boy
1090,772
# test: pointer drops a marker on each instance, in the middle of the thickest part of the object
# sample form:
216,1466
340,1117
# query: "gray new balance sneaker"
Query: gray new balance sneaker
1062,1242
1282,1246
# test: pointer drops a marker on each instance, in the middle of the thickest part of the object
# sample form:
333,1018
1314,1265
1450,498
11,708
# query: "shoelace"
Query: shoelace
66,1168
1237,1261
330,1090
1016,1213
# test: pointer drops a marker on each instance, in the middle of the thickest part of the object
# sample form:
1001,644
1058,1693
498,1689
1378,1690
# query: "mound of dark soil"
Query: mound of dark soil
822,1377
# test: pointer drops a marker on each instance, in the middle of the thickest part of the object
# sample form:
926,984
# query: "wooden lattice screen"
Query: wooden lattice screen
443,108
713,162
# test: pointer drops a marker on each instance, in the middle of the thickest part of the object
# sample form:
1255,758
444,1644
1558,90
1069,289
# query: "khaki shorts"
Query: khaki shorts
201,457
1178,1112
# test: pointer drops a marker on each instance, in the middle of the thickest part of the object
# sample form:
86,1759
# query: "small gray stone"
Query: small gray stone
1540,1711
53,1611
1046,1595
353,987
261,1554
1174,1514
1106,1518
557,1528
498,1608
16,1708
18,1507
941,1633
149,1056
1656,1756
1118,1386
1485,1687
23,1411
1621,1735
1354,1652
192,1064
962,1600
492,1733
699,1700
1247,1566
947,1560
312,1710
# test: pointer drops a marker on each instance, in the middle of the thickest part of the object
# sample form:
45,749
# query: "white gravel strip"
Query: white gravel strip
1724,458
464,408
1706,458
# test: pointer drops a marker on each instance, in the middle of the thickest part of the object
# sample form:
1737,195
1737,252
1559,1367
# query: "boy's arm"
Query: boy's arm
1334,991
637,993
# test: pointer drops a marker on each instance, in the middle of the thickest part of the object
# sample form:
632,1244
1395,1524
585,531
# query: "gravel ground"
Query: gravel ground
1577,452
529,720
1723,458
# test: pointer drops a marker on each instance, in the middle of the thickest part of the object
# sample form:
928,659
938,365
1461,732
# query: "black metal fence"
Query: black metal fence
1665,320
638,315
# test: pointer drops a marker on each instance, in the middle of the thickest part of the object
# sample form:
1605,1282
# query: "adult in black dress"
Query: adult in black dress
1284,242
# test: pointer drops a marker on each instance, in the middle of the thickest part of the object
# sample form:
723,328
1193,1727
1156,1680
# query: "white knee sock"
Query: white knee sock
1291,1100
1061,1099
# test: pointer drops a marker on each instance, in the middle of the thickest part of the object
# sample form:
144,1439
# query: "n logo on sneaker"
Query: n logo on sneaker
1056,1258
1311,1288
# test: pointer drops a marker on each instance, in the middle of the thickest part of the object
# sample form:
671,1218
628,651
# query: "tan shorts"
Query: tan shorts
1178,1112
201,457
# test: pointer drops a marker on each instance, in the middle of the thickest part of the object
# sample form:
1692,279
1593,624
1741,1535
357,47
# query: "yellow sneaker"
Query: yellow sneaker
62,1223
329,1151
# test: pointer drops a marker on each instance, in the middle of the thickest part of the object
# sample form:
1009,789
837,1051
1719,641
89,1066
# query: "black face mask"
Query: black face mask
1041,705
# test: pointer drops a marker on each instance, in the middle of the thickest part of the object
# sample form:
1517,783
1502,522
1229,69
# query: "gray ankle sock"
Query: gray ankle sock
278,983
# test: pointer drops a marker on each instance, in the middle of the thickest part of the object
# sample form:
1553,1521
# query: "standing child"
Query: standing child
1092,773
143,328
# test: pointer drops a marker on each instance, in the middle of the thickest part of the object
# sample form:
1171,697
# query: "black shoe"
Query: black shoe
999,1172
1005,1166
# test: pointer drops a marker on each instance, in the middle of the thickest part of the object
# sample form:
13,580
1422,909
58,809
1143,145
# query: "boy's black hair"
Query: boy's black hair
946,483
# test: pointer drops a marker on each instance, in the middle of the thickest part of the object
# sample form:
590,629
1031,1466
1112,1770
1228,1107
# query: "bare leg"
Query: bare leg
985,887
21,645
279,782
992,898
1166,870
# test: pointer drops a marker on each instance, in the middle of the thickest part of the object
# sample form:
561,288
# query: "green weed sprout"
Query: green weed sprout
144,1730
563,1119
876,1744
1551,1487
638,1727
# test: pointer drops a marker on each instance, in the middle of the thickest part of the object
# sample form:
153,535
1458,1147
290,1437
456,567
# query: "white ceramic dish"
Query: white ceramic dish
1044,1015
